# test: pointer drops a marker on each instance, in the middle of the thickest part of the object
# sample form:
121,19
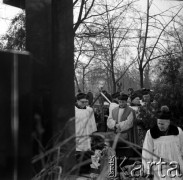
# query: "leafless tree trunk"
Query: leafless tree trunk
148,52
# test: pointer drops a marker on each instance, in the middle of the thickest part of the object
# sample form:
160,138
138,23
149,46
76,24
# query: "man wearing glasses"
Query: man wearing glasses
85,125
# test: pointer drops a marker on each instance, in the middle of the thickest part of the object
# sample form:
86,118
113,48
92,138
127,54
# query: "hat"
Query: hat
130,89
115,95
81,96
123,97
134,96
164,113
145,91
136,101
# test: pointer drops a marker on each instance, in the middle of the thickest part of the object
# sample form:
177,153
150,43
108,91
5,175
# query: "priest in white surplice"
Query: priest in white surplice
85,123
162,146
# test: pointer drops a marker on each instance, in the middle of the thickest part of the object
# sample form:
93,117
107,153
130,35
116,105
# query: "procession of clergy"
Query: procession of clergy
162,151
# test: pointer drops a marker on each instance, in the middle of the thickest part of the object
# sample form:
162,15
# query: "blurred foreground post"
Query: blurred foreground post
50,40
63,76
15,115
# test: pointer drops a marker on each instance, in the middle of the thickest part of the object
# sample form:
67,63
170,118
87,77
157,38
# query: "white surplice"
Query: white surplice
169,148
85,125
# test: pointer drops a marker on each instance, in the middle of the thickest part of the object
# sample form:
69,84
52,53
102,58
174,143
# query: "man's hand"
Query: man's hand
118,129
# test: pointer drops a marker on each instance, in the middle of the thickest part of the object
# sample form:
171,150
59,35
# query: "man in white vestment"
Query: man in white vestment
163,145
121,120
85,123
121,123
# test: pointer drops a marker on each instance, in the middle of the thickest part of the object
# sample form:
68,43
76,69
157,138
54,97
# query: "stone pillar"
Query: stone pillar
63,74
51,43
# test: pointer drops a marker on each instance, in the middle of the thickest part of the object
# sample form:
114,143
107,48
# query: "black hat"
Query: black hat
145,91
130,89
115,95
134,96
123,97
81,96
164,113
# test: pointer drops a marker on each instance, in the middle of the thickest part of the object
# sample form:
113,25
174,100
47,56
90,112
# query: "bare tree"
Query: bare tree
110,32
151,47
110,28
82,9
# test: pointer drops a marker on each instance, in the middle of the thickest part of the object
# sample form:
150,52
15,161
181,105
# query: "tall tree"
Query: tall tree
82,10
15,38
109,33
149,45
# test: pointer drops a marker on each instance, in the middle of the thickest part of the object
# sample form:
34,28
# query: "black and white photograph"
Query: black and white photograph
91,90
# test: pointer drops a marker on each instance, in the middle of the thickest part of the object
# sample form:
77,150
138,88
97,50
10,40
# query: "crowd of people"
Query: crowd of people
162,139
